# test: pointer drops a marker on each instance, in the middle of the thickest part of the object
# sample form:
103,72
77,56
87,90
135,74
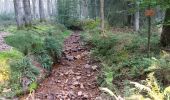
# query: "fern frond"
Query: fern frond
111,93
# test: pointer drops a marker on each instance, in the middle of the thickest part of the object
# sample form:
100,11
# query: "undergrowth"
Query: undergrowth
40,47
123,57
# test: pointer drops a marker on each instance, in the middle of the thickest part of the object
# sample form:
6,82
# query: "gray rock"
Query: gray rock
87,66
69,58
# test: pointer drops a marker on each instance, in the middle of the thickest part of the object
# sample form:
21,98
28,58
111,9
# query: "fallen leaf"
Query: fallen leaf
94,67
80,93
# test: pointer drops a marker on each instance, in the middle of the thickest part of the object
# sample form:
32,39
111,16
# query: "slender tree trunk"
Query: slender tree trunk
6,4
34,8
102,15
19,13
41,10
149,32
129,16
27,10
165,36
49,7
95,9
137,18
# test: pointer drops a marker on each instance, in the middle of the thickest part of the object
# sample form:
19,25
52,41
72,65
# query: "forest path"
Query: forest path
3,45
74,78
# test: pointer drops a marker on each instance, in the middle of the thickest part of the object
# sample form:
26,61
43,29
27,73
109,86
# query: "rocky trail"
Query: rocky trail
75,78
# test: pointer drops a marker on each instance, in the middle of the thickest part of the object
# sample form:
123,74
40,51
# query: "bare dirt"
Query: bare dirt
75,78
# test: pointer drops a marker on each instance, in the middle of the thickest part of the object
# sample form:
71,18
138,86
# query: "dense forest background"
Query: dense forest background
85,49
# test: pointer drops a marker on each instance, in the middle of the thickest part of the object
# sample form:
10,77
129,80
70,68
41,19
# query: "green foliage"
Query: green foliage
5,57
67,11
116,12
41,43
53,47
25,41
151,88
45,60
12,54
123,55
25,68
90,24
19,69
33,86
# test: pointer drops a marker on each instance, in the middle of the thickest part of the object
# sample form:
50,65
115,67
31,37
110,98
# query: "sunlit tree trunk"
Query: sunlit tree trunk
41,10
137,18
19,13
165,36
27,10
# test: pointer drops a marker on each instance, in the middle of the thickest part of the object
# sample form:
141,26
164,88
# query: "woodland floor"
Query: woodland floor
3,45
74,78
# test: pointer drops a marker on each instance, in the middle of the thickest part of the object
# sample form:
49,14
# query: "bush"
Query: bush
53,47
19,70
74,24
24,68
45,60
25,41
90,24
86,24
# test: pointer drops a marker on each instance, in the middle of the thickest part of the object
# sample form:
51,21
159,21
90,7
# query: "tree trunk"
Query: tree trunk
54,7
41,10
27,10
49,7
96,9
102,15
19,13
165,36
34,8
84,8
137,18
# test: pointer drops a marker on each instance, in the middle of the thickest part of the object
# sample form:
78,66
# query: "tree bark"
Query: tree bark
49,7
34,8
165,36
19,13
41,10
96,9
102,15
84,8
27,10
137,18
